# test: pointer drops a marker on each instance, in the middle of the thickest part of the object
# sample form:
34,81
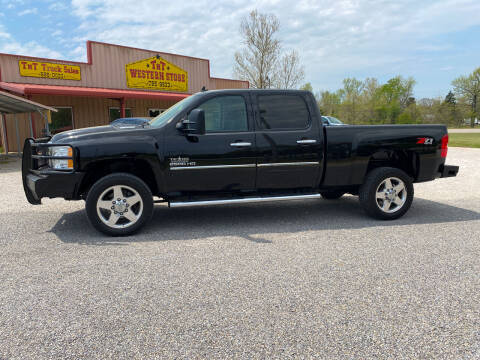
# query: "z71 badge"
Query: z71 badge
425,141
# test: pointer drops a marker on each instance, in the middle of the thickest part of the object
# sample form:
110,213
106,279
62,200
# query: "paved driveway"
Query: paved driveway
311,279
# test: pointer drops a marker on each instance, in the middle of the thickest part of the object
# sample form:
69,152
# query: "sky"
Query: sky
432,41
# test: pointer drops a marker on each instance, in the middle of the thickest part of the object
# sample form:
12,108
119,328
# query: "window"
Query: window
225,113
283,112
173,111
155,112
114,113
62,120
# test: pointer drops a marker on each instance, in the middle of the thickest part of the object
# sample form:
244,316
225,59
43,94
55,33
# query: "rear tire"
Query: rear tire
119,204
386,194
332,195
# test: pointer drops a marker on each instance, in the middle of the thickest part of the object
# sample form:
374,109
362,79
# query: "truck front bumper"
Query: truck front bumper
51,185
39,182
448,171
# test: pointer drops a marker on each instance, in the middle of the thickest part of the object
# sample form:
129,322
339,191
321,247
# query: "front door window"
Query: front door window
225,113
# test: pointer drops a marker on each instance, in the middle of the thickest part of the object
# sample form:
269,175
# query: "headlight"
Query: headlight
62,151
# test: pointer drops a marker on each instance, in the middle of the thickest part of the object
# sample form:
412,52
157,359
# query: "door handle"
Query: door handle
241,144
306,141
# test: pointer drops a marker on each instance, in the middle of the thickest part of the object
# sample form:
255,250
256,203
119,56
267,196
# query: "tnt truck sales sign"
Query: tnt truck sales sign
156,73
48,70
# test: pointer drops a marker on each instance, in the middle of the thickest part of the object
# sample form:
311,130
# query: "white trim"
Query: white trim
193,167
211,167
290,164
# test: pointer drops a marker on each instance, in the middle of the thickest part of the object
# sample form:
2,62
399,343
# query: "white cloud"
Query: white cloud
3,33
28,11
58,6
10,4
336,39
31,48
78,54
339,36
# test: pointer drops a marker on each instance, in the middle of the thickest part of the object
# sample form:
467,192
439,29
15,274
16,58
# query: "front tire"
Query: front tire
386,194
119,204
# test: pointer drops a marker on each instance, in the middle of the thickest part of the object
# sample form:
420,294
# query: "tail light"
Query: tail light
444,146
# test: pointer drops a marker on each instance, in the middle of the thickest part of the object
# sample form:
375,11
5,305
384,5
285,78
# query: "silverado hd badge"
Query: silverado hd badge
181,161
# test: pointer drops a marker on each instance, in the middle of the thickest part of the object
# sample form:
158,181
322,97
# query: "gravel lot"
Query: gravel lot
310,279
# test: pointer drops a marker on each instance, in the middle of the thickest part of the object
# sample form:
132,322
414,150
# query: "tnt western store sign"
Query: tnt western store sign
115,81
156,73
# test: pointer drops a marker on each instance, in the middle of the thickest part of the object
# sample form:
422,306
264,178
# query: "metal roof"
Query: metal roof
11,104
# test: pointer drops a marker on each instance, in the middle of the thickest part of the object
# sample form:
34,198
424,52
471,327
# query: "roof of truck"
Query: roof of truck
273,91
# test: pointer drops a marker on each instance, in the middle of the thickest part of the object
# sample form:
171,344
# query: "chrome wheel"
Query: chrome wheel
391,195
119,206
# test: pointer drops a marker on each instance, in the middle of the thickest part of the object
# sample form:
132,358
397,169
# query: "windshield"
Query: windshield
172,111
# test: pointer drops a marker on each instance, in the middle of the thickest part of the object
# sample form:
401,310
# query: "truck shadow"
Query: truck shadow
253,221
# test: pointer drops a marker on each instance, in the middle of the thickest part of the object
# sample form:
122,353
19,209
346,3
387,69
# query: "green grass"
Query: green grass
464,140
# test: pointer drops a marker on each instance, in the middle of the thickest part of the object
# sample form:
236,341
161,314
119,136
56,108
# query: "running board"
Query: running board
243,200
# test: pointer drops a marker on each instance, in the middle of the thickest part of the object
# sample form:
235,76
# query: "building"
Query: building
116,81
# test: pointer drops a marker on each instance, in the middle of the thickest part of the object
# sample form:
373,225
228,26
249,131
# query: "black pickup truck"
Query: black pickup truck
232,146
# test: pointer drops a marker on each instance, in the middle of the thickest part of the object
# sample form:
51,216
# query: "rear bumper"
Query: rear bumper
448,171
41,182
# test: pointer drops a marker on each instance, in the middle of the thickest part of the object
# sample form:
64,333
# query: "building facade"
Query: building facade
116,81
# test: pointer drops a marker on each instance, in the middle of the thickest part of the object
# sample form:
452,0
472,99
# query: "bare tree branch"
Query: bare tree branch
256,63
290,71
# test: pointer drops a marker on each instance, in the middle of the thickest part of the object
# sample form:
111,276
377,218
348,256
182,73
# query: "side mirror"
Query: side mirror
194,124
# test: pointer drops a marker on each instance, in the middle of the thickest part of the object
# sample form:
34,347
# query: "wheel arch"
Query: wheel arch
137,167
407,161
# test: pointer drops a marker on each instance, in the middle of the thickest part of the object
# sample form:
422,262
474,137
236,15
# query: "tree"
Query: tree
449,107
370,100
290,71
450,98
469,87
352,89
396,95
329,103
260,62
307,86
257,62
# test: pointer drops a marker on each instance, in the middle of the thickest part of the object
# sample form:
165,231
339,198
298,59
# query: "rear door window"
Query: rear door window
283,112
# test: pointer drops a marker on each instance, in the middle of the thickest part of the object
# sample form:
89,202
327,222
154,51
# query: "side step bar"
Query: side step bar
242,200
